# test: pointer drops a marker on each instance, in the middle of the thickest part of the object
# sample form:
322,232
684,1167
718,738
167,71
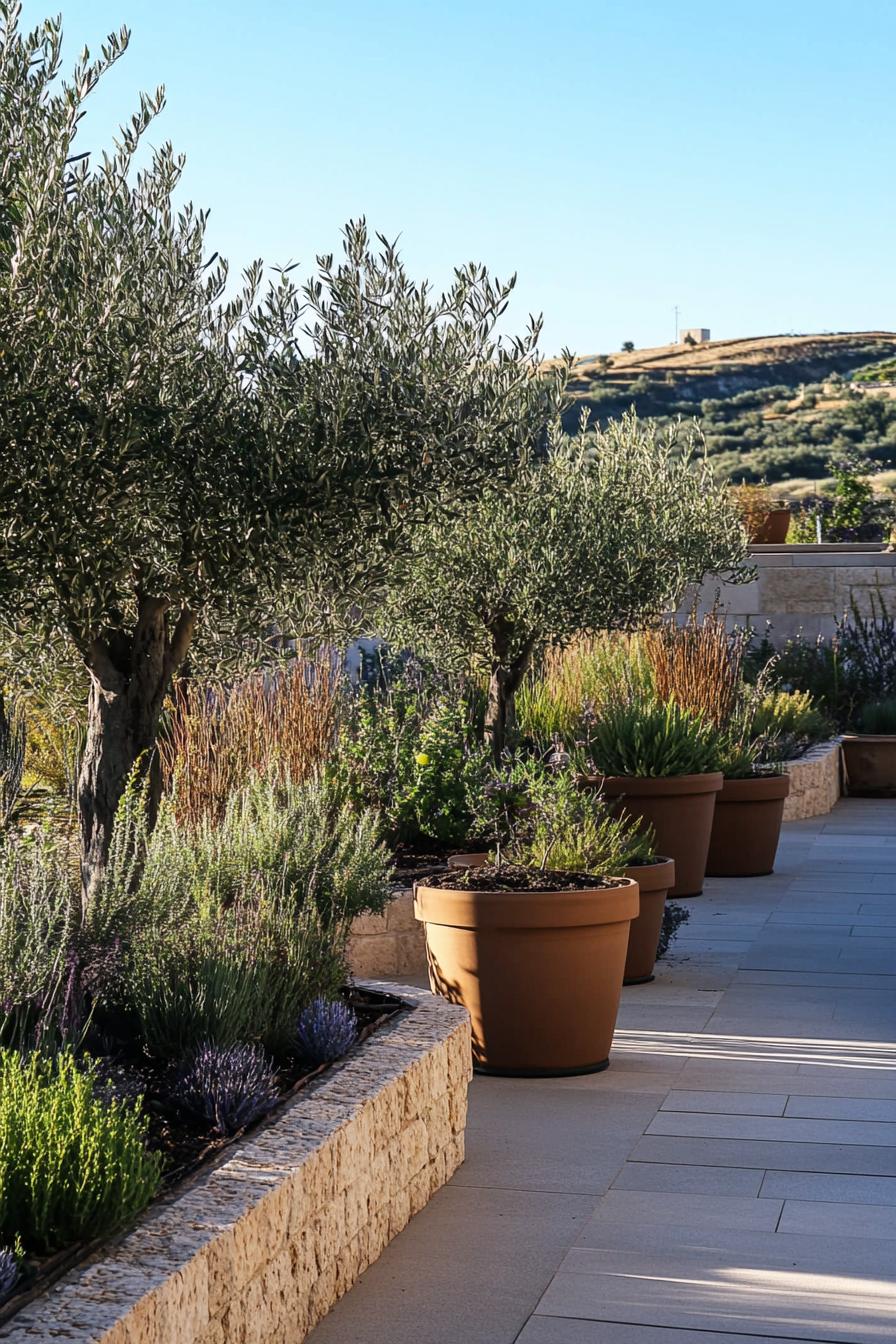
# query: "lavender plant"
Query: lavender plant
9,1272
327,1028
227,1086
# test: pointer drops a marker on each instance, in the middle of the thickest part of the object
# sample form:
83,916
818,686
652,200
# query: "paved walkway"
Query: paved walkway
730,1179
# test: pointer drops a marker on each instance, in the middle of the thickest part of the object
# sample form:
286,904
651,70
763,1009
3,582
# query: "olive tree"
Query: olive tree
602,532
183,461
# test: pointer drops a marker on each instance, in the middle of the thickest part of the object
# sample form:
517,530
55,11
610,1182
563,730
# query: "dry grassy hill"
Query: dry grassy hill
770,407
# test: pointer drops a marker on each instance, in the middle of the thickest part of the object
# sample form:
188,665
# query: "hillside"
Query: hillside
773,407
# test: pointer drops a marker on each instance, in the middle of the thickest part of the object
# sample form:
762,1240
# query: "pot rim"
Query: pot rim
868,737
589,906
658,876
640,786
757,788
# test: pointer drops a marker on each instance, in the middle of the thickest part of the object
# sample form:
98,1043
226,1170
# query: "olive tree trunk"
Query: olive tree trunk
130,675
504,682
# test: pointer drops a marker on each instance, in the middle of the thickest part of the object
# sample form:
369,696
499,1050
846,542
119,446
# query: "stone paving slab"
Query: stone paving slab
731,1178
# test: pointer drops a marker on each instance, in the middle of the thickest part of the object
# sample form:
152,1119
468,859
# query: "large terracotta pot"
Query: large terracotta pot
654,880
774,529
869,764
679,808
746,826
539,972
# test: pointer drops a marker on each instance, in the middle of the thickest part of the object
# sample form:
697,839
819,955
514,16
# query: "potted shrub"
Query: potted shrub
536,953
536,956
580,833
746,824
765,518
660,763
869,755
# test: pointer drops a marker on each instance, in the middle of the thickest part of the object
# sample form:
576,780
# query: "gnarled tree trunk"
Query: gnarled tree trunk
130,675
504,682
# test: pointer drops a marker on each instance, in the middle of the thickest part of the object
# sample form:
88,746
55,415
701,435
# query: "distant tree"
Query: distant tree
604,363
178,469
689,339
628,347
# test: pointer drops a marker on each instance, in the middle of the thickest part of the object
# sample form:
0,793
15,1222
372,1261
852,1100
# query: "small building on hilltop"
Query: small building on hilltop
693,336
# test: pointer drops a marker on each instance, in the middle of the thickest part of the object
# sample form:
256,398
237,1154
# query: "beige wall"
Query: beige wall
803,588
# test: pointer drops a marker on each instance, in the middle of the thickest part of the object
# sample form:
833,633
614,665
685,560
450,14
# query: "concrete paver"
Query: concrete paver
731,1178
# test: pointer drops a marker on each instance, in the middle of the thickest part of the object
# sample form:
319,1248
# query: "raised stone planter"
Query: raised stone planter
257,1249
814,782
389,945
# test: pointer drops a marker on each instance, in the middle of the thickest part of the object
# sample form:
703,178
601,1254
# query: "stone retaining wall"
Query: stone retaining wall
814,782
257,1249
389,945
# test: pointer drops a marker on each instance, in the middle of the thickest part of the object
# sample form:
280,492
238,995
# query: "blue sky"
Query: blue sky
729,156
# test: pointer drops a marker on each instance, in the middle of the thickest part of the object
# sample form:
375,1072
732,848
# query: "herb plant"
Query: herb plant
72,1166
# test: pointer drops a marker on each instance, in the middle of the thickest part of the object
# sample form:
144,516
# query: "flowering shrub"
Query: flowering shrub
9,1271
228,1086
326,1030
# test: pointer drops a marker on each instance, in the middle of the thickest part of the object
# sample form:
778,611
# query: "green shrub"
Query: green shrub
227,930
40,912
572,828
541,818
72,1165
412,757
644,738
791,718
277,840
229,975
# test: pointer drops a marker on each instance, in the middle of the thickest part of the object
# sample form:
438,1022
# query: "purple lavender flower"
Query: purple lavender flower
228,1086
9,1272
327,1028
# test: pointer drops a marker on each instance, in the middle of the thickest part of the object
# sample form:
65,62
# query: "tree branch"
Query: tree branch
180,641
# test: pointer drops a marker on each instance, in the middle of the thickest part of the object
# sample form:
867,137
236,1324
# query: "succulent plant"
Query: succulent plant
9,1272
228,1086
327,1028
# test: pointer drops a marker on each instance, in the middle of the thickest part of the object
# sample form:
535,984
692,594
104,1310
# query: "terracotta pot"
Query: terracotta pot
746,826
680,811
475,859
774,529
869,764
539,972
654,880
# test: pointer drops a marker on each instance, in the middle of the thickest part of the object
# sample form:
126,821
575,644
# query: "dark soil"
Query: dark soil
511,877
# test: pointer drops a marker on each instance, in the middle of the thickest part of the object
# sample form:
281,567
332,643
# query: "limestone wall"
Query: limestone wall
389,945
814,782
803,588
257,1250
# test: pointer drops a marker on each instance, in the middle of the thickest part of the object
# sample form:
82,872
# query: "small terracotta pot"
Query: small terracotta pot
774,529
869,764
475,859
540,972
746,826
654,880
679,808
